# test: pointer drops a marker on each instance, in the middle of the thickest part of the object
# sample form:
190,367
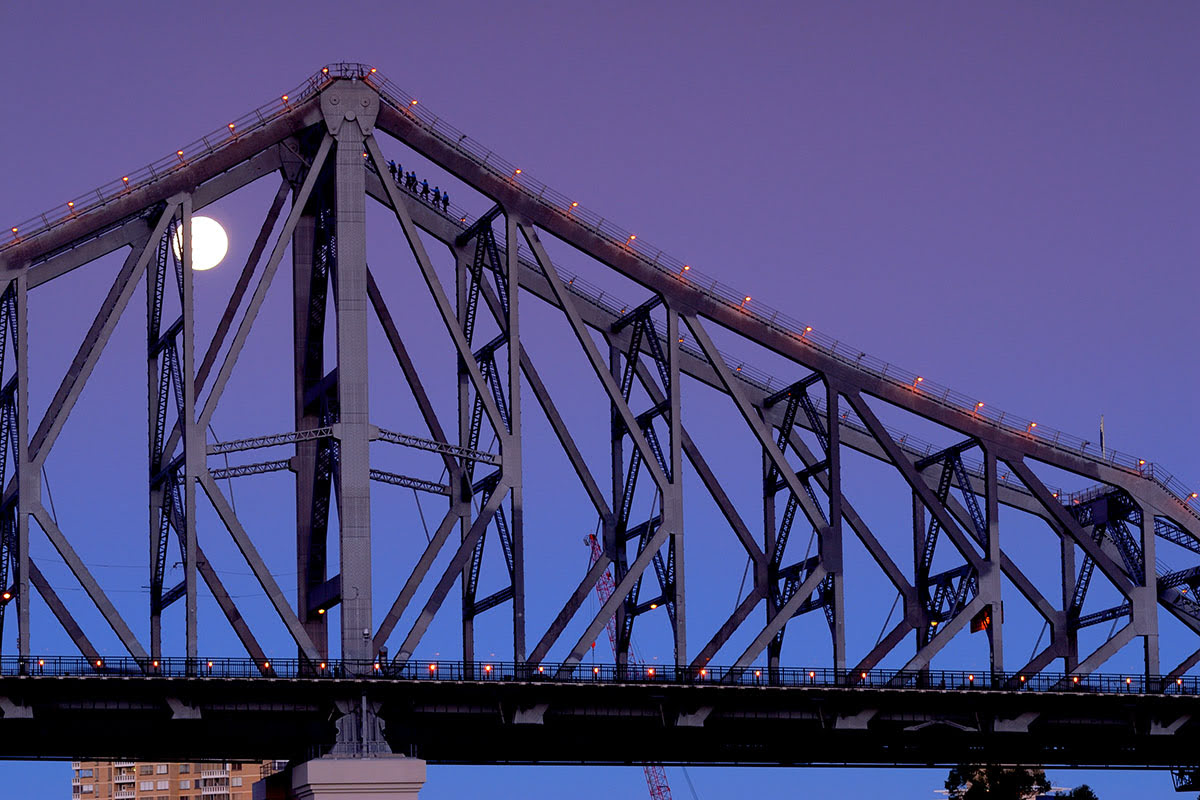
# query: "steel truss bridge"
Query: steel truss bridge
371,691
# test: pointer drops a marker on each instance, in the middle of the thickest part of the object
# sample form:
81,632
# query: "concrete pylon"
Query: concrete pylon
346,778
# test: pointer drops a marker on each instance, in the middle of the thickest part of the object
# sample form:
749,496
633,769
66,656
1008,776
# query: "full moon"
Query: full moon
209,243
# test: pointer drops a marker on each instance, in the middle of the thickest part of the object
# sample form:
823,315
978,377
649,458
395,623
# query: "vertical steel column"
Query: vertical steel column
613,545
462,278
343,110
770,528
193,440
28,483
990,585
1145,612
831,537
675,496
1070,633
309,366
159,492
511,445
920,580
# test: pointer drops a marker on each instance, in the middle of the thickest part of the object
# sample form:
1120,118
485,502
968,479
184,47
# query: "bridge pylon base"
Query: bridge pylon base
346,778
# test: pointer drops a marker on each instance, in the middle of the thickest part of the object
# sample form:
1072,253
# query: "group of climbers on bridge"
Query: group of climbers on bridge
408,181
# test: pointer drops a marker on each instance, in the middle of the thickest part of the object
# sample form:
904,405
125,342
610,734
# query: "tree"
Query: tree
993,782
1082,792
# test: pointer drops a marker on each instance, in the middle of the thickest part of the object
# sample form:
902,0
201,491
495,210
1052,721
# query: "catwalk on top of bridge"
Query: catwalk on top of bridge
319,137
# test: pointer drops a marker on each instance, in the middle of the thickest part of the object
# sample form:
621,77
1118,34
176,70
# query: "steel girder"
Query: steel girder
319,151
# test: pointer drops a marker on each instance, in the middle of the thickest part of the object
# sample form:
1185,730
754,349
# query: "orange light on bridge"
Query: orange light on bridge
863,675
812,673
6,596
516,172
971,678
758,673
650,672
979,405
377,667
487,668
1022,679
433,667
541,669
266,665
125,180
1128,681
231,127
1075,679
325,70
284,98
70,204
703,673
210,665
14,230
320,611
595,670
1032,425
653,606
99,663
154,664
322,665
574,205
918,380
41,662
373,70
413,103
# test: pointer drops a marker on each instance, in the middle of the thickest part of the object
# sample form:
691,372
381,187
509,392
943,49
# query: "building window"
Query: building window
76,789
237,767
163,785
146,769
185,784
184,769
89,788
235,781
161,769
146,786
85,773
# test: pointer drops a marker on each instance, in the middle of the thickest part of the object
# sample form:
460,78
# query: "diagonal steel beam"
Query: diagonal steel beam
574,602
857,524
239,289
410,374
88,582
264,283
1067,524
451,573
62,613
620,592
730,626
755,423
593,354
259,568
945,633
781,618
561,431
95,340
705,473
432,548
449,319
909,471
228,607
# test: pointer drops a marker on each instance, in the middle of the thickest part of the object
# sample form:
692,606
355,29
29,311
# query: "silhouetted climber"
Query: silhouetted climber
437,196
392,169
424,190
446,201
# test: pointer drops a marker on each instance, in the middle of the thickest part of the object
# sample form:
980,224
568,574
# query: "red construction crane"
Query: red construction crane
656,776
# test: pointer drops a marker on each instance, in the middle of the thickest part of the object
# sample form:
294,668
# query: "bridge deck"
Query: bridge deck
597,715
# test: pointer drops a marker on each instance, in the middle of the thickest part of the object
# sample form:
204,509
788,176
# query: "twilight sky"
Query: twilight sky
1001,198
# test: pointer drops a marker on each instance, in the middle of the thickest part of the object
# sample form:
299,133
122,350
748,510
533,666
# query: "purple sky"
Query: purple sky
1003,200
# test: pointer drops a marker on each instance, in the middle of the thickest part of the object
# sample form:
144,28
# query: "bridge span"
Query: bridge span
359,685
504,713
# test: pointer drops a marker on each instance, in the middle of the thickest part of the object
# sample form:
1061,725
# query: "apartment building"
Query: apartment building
140,780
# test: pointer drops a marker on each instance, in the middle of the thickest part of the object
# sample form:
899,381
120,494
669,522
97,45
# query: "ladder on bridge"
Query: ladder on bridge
656,775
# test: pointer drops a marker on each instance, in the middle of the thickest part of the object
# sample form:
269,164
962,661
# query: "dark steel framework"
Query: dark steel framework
322,140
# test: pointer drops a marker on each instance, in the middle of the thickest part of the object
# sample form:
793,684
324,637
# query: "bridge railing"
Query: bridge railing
592,673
